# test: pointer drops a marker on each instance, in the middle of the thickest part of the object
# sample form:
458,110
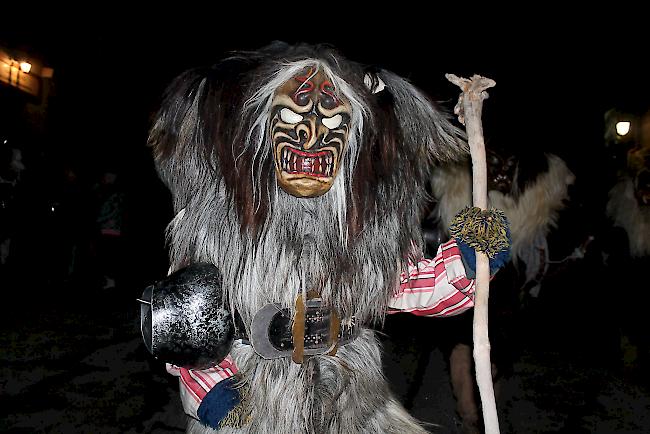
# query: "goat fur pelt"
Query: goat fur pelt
212,148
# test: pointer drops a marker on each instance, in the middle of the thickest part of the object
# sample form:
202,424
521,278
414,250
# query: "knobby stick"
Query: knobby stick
469,109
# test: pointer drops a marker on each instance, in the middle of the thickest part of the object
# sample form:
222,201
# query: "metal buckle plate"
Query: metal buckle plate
316,330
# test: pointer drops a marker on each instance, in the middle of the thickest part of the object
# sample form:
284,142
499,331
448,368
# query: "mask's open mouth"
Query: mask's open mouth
320,164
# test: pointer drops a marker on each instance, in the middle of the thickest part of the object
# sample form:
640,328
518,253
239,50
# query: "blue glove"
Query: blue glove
219,401
468,255
483,230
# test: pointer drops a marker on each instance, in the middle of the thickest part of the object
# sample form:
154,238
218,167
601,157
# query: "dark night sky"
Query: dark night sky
555,76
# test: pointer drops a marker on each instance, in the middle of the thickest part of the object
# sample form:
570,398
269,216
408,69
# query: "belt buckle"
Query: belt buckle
313,312
316,330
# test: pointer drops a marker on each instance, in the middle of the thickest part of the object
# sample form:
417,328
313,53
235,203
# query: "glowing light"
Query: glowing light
622,128
25,67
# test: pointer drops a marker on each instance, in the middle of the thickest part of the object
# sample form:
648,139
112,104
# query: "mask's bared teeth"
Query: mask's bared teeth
307,166
296,161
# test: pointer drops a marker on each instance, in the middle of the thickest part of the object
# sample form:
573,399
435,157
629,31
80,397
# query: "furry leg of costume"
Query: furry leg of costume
324,395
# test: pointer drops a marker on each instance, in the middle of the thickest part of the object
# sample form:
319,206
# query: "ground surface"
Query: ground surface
73,364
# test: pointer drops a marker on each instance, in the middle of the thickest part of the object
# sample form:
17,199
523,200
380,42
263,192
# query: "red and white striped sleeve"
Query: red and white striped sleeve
435,287
196,383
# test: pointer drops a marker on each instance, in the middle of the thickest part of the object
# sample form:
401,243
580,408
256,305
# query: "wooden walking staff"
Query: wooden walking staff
469,109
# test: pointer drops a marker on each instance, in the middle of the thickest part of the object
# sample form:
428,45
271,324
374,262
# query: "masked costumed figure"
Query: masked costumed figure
11,166
297,177
531,189
628,204
626,241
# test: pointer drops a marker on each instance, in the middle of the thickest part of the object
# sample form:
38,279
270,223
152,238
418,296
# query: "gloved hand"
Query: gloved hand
222,406
486,231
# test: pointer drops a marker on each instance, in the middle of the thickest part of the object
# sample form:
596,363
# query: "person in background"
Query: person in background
531,188
109,220
11,167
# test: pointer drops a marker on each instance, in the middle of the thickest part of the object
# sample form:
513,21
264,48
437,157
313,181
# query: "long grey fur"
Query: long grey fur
302,243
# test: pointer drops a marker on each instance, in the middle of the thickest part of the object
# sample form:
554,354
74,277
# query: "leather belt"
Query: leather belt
316,330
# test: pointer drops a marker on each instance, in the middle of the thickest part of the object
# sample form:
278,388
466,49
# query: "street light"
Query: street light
25,67
622,128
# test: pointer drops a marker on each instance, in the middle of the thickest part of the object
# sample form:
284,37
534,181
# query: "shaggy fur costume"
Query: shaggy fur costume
212,148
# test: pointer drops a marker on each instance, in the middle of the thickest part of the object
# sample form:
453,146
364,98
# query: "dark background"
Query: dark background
557,70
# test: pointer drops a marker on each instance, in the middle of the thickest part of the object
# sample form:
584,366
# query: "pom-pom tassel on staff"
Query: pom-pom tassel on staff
469,109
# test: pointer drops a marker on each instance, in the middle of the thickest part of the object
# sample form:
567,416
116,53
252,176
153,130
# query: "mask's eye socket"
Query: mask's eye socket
289,117
333,122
